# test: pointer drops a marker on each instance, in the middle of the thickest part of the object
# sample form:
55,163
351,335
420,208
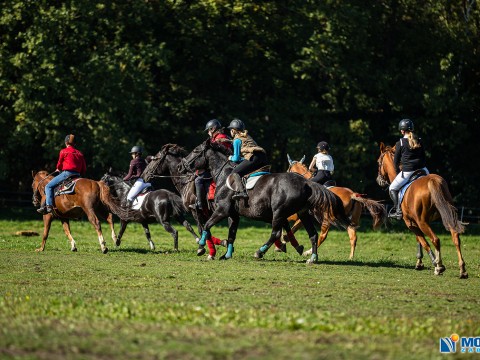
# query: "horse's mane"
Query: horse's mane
218,147
172,149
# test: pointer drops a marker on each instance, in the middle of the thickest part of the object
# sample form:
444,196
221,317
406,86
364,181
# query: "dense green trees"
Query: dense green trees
151,72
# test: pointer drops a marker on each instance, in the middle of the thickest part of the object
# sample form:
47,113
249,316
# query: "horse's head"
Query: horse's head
299,167
159,164
197,159
386,168
40,179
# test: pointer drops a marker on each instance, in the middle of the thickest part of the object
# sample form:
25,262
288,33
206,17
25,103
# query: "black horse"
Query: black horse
165,164
158,206
273,199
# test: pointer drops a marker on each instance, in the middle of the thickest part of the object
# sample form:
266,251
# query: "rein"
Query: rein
382,179
303,174
37,191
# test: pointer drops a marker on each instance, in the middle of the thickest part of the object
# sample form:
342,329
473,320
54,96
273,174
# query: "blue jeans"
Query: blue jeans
54,182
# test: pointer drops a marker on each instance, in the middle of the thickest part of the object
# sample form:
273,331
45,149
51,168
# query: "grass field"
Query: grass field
136,304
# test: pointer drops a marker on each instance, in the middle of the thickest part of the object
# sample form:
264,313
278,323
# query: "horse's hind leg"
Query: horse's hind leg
66,229
146,229
308,222
321,238
112,228
187,226
171,230
291,237
47,222
419,230
419,265
123,227
96,224
461,262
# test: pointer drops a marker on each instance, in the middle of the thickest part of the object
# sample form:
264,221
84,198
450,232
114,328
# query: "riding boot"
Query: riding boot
129,203
396,212
239,185
199,192
42,209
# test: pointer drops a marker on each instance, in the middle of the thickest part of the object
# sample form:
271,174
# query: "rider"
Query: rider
70,163
323,162
137,165
246,153
410,154
204,178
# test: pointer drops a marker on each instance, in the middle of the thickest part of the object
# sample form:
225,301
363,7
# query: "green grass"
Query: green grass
136,304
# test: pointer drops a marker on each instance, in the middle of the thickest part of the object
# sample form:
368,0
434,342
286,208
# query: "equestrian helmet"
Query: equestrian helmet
213,124
136,149
70,139
237,124
323,145
405,124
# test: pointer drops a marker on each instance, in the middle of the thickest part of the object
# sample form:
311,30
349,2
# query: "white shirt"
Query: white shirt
324,162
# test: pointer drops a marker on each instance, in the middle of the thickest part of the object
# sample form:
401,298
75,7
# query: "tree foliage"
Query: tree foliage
151,72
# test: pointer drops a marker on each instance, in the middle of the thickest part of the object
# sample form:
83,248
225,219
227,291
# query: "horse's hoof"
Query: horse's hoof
464,275
39,250
210,257
299,249
75,250
419,267
307,253
439,270
105,250
258,254
223,257
311,262
200,251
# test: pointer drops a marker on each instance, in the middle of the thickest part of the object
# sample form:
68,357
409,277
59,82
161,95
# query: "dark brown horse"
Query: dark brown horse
352,202
86,200
426,200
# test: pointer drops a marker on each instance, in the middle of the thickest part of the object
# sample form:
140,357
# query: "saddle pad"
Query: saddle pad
403,190
66,187
138,201
252,180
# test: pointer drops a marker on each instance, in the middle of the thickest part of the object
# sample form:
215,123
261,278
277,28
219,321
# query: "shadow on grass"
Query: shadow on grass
373,264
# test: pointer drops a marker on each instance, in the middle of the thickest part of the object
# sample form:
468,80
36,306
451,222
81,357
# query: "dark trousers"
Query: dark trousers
322,176
257,160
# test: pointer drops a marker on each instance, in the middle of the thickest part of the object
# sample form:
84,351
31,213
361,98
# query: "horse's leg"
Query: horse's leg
419,265
47,222
461,263
98,227
199,219
233,222
181,219
172,231
291,237
351,230
123,227
423,243
146,229
274,235
322,237
427,230
308,222
66,229
112,228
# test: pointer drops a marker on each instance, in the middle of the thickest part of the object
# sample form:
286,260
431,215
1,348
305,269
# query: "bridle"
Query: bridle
302,174
36,192
382,178
187,164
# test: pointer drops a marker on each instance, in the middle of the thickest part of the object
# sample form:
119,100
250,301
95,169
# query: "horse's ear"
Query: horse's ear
302,160
33,173
289,159
382,147
110,170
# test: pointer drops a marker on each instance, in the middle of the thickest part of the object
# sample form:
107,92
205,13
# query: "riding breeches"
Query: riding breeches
256,161
322,176
402,178
137,188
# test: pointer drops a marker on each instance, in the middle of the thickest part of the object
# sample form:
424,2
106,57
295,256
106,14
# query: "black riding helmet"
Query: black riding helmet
237,124
405,124
323,145
136,149
213,124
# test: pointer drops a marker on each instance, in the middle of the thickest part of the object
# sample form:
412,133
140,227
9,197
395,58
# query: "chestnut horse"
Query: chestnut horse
86,200
352,202
426,200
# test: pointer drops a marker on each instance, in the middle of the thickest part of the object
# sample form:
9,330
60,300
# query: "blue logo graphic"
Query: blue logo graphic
448,345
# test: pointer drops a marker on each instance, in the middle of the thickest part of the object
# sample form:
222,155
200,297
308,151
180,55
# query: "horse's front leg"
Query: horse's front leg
112,228
233,222
146,229
274,235
220,213
66,229
123,227
47,222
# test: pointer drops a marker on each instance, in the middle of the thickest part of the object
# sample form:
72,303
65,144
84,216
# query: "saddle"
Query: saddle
330,183
417,174
67,186
249,180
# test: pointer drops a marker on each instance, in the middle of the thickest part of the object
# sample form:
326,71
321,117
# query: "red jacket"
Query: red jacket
71,159
221,138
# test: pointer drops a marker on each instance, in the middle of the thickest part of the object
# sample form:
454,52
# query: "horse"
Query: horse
273,199
165,164
427,199
352,202
157,206
88,199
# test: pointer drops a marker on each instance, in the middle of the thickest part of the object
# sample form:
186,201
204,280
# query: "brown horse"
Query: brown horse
352,202
87,200
426,200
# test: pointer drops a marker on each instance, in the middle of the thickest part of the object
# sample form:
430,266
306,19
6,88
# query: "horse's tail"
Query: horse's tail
114,204
177,205
442,199
376,209
327,206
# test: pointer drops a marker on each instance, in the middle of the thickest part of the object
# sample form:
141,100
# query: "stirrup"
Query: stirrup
395,214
